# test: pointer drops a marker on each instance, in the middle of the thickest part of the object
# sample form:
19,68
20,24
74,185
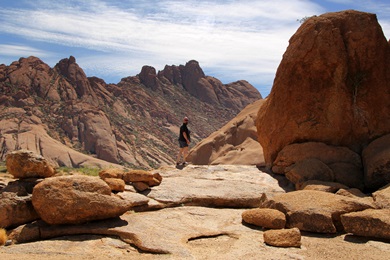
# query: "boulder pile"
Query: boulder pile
141,180
39,192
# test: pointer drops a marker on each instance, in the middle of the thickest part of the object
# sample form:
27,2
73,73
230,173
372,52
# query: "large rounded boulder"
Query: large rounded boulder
75,200
332,86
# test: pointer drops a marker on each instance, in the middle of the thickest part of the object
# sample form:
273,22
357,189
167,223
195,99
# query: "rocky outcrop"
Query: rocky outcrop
314,211
73,120
75,200
330,87
26,164
234,143
283,237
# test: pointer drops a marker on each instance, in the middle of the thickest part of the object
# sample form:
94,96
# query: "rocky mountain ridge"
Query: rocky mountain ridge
75,120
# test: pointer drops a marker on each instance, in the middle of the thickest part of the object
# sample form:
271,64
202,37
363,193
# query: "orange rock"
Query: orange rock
331,85
26,164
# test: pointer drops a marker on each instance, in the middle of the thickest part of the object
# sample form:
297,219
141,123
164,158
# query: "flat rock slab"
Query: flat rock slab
233,186
183,233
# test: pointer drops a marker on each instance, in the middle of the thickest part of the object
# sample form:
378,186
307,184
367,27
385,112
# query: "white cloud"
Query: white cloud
21,51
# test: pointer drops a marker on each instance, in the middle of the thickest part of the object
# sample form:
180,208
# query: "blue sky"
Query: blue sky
112,39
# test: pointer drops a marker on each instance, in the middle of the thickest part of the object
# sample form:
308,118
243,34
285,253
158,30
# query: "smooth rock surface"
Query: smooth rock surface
214,186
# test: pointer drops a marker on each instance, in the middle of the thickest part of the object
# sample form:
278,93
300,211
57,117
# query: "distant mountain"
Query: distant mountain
75,120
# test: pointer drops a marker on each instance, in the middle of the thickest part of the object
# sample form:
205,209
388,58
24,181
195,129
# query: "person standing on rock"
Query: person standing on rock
184,141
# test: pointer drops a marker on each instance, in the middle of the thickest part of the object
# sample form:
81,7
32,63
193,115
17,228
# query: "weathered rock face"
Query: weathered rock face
26,164
133,123
16,210
332,86
234,143
75,200
368,223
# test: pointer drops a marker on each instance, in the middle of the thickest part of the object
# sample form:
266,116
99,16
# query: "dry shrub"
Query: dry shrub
3,236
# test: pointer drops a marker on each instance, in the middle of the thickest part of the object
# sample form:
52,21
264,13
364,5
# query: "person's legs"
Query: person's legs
185,153
179,155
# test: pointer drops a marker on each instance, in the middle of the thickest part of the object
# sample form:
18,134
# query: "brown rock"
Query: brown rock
328,154
16,210
140,186
382,197
111,173
137,175
76,199
331,85
368,223
115,184
157,175
309,169
376,160
267,218
283,237
325,186
348,174
234,143
314,211
25,164
357,194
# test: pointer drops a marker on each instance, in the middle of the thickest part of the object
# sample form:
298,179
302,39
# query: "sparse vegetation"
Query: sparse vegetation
90,171
3,167
3,236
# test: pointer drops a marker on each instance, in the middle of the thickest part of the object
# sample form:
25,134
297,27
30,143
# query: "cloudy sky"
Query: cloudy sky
112,39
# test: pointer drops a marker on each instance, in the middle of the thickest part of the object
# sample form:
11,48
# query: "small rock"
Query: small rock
283,237
140,186
115,184
267,218
111,173
137,176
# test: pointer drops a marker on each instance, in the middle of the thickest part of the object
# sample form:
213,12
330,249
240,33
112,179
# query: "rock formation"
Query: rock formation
235,143
332,86
74,121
